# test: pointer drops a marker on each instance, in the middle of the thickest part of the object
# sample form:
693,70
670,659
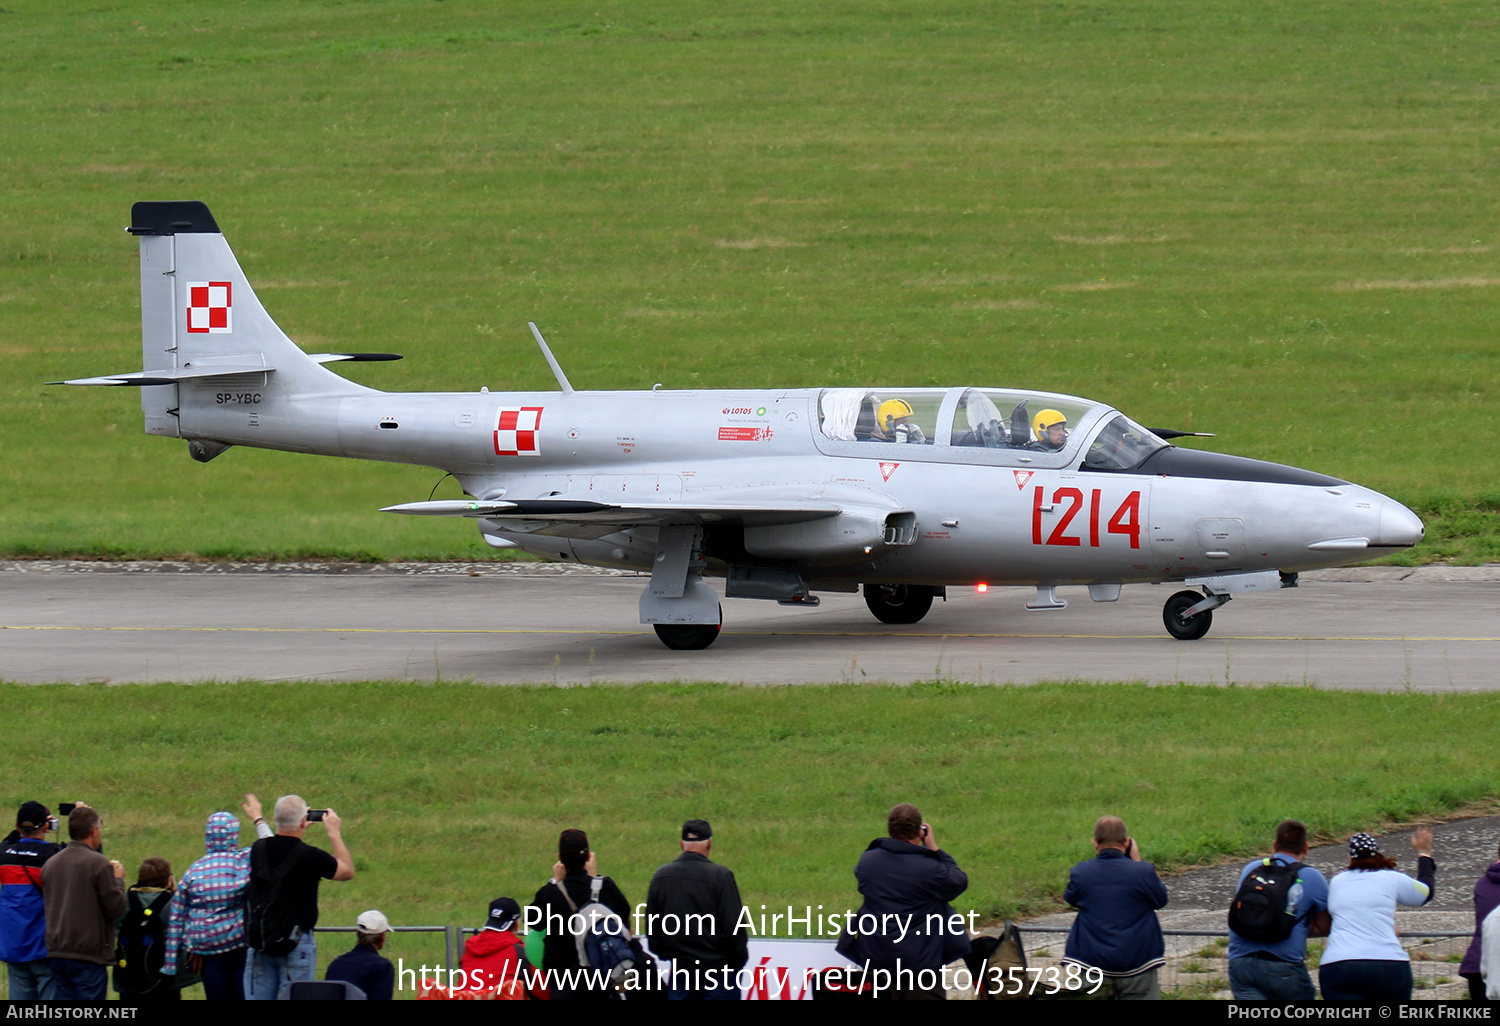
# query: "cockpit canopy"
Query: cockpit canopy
980,425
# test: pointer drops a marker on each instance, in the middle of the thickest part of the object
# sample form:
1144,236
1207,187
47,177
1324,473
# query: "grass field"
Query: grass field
453,794
1274,222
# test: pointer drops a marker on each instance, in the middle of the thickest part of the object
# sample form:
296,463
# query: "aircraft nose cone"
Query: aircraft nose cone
1399,526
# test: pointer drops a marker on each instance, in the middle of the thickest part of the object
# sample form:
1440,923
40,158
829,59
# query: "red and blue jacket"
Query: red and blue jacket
23,924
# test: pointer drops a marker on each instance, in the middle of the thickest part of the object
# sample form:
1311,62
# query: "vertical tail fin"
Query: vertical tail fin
203,327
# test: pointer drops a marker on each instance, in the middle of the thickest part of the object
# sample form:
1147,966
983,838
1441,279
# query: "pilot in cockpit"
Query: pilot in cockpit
1051,430
893,424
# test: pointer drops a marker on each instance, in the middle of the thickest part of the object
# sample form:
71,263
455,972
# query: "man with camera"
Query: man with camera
281,902
23,941
910,930
1116,930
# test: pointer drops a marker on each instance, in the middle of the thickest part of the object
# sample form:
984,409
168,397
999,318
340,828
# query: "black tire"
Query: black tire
898,603
1186,629
689,637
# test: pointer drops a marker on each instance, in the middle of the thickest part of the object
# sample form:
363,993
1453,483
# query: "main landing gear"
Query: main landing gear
899,603
689,637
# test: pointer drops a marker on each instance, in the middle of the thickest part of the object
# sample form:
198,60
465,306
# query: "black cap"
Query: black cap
31,815
572,841
503,914
697,830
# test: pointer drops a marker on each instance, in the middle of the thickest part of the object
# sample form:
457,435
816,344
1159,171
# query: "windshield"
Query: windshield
1121,445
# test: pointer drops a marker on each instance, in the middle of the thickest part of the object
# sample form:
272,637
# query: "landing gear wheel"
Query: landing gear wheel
1186,628
689,637
898,603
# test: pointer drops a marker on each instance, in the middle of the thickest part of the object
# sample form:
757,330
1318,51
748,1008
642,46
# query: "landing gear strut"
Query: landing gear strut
899,603
1181,626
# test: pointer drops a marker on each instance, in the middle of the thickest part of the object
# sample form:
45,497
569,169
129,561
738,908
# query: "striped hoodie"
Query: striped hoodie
207,914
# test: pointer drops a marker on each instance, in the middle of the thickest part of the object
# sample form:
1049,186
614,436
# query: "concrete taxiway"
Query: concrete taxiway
1376,628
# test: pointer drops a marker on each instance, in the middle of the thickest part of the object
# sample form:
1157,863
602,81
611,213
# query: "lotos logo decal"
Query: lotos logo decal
518,431
887,469
1022,476
209,307
730,411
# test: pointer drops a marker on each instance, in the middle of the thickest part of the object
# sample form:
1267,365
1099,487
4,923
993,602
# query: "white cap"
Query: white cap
372,922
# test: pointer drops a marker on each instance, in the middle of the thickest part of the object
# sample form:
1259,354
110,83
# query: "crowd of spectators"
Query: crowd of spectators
241,920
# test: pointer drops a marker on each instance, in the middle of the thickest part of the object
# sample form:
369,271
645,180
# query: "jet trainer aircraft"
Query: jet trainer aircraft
782,492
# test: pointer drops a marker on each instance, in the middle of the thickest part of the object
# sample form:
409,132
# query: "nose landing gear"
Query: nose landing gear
1188,615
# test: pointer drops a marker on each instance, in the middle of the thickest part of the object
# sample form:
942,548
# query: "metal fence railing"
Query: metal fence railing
1198,966
1197,963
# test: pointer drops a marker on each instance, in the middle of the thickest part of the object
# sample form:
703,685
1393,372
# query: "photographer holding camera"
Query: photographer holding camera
907,882
281,903
23,926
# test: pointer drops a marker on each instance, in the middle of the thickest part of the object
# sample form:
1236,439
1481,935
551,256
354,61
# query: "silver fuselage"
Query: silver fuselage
998,516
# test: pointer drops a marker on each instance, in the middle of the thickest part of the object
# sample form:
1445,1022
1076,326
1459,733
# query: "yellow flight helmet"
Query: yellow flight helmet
1047,419
891,411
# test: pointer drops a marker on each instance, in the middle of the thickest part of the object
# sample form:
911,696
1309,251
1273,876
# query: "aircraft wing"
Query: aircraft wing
571,518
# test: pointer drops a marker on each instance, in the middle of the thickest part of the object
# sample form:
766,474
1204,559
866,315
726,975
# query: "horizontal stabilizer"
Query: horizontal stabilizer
138,378
171,375
354,357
